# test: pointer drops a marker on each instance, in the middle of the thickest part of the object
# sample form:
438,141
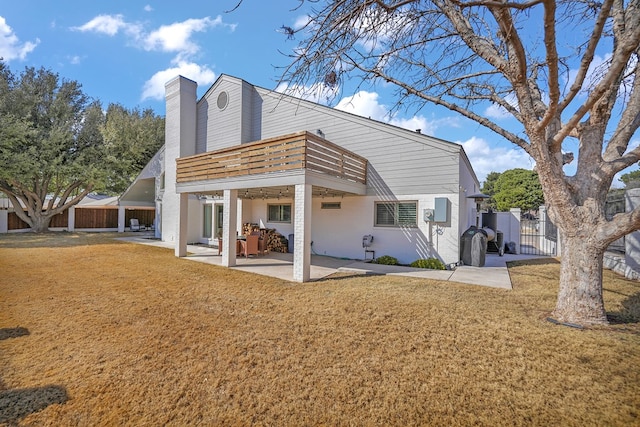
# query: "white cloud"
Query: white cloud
104,24
301,22
154,87
10,46
148,8
497,112
318,93
176,37
364,104
486,158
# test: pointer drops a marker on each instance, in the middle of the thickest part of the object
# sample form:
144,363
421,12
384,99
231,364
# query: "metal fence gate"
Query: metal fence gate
615,204
538,237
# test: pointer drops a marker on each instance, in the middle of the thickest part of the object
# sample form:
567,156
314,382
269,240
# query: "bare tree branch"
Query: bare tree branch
620,58
496,4
552,63
587,57
628,124
465,112
390,8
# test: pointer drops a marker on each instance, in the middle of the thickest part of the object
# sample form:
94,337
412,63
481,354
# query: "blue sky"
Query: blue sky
124,51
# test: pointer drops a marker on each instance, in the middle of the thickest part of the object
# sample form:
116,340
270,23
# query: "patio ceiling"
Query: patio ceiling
277,192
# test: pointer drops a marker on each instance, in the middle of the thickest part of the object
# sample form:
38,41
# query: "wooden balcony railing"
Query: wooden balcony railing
302,150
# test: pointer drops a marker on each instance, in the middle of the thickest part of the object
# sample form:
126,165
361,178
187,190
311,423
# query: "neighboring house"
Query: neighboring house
244,154
144,193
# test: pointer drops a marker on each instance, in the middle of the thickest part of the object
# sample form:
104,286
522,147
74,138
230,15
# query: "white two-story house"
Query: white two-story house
326,178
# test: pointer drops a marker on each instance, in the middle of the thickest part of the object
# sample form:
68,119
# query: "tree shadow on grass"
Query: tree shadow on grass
533,261
6,333
629,311
347,275
18,403
58,239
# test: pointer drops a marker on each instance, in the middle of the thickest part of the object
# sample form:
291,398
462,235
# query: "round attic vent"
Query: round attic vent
223,100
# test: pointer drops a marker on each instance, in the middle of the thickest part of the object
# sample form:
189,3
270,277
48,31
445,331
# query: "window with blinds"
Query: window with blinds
396,214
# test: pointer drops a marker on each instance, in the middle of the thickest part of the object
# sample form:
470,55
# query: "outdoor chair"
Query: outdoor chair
134,224
262,249
250,245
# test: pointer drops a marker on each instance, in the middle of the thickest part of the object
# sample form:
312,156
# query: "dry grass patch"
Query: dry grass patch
124,334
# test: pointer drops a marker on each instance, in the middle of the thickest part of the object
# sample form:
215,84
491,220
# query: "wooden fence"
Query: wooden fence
15,223
89,218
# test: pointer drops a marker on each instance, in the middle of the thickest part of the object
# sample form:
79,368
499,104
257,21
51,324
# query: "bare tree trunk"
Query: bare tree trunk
580,295
40,223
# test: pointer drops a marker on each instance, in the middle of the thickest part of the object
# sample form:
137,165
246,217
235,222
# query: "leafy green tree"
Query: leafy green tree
541,62
488,188
518,188
57,146
631,179
51,151
131,137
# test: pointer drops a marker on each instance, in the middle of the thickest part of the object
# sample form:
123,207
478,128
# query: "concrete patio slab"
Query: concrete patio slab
494,274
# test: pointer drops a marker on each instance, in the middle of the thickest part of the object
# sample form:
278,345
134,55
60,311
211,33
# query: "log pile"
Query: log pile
249,227
275,241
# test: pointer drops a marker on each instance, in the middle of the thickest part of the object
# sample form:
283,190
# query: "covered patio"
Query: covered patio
304,162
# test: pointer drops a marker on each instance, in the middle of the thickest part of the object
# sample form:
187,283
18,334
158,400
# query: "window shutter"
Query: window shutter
407,213
384,214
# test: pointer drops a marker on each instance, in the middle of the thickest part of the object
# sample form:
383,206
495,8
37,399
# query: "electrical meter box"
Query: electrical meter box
428,215
441,211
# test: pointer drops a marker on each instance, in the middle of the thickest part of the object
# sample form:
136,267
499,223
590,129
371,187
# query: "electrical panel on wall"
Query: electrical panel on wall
441,211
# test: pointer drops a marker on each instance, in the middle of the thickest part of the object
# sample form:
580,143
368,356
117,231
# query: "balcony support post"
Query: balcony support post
182,226
302,233
229,227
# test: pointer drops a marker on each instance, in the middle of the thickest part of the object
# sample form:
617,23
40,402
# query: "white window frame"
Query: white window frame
397,207
281,216
207,221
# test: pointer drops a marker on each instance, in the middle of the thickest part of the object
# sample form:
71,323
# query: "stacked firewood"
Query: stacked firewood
276,242
248,228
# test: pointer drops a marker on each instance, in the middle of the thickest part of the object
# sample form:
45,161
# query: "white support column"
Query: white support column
514,227
158,221
71,219
239,216
229,227
121,217
302,233
4,220
182,225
